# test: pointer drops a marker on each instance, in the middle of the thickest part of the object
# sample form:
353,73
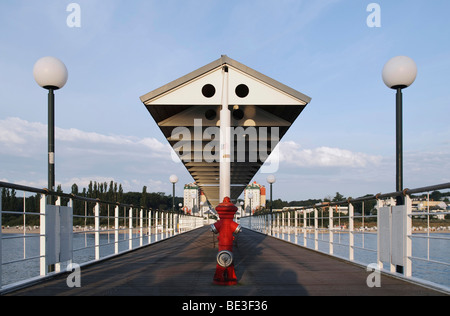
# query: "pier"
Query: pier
184,266
161,252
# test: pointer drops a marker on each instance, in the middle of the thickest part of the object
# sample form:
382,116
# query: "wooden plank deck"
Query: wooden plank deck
185,265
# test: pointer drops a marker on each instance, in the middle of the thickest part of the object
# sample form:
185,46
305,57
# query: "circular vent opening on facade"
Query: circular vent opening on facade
210,114
238,114
208,90
242,91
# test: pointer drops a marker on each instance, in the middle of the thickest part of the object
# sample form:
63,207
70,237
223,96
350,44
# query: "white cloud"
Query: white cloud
80,156
292,153
134,162
22,138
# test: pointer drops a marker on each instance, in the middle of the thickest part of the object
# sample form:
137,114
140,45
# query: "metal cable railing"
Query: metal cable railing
58,237
410,240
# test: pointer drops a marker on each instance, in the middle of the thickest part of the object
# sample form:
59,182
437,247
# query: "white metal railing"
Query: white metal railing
62,238
404,240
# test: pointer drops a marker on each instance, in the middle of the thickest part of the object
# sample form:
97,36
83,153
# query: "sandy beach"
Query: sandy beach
36,230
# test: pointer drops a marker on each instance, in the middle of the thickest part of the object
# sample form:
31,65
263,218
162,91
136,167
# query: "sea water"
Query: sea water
83,251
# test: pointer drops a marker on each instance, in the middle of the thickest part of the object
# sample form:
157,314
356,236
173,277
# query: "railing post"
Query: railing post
269,224
156,226
274,224
175,224
116,229
71,229
316,229
141,227
180,223
278,225
163,225
262,223
408,237
57,264
43,260
289,227
305,232
379,228
296,226
351,232
97,230
161,215
130,228
331,230
183,221
167,225
149,227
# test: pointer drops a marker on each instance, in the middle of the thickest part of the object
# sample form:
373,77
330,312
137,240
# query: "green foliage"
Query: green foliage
112,192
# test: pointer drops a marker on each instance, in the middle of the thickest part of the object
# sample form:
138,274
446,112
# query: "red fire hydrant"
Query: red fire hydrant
226,228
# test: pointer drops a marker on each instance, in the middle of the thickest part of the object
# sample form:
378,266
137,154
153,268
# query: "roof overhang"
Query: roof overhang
187,112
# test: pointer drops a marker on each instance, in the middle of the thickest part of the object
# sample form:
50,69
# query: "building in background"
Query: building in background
191,198
195,202
254,197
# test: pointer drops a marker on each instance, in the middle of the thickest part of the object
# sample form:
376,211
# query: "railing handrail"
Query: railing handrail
323,204
45,191
142,226
378,196
394,229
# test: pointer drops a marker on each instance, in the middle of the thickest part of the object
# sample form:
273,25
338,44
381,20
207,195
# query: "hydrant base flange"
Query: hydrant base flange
225,276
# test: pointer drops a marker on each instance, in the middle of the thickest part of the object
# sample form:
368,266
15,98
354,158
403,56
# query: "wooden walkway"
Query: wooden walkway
185,265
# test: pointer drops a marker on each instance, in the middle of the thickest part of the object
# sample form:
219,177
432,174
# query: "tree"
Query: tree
90,190
435,196
144,197
74,190
338,197
120,194
110,196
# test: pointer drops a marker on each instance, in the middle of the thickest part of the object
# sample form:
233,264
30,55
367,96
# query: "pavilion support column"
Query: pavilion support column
225,139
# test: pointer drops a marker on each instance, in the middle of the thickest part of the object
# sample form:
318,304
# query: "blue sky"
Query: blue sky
344,140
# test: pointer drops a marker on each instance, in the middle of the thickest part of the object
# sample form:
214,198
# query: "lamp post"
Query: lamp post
271,180
201,208
174,179
50,73
250,197
193,196
399,73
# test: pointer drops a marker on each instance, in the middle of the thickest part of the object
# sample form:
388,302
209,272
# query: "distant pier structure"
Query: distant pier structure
223,121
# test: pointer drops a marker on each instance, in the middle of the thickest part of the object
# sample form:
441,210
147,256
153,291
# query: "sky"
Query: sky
344,140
